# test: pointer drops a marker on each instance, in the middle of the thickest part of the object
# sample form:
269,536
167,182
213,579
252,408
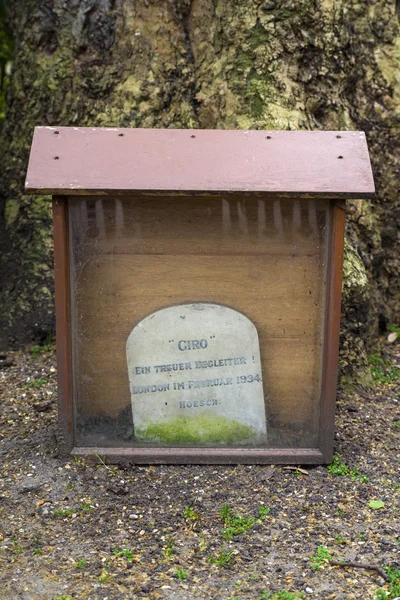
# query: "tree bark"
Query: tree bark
277,64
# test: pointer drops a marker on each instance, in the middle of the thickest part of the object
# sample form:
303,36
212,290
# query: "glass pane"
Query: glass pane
255,268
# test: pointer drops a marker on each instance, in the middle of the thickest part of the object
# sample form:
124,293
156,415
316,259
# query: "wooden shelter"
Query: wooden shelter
146,219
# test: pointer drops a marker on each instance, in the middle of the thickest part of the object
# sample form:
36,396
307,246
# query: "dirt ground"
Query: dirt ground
70,529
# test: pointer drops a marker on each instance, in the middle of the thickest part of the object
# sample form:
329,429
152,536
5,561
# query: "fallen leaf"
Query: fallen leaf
268,473
375,504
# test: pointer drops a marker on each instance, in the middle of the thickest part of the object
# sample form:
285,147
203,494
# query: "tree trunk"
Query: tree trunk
277,64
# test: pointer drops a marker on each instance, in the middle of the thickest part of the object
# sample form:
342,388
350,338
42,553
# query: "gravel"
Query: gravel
73,529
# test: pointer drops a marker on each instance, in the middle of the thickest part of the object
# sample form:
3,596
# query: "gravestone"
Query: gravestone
195,377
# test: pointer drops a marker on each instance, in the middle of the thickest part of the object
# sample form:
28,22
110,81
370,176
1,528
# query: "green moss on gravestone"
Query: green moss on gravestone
204,428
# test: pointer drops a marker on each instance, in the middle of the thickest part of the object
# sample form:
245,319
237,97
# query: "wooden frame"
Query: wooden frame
201,455
229,455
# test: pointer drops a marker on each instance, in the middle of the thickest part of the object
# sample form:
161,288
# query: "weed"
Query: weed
382,369
78,460
263,512
123,553
338,467
394,585
36,551
223,559
81,563
339,539
393,328
340,512
70,486
396,423
86,507
190,514
63,597
225,511
61,513
169,548
35,383
180,574
38,350
363,478
234,524
112,470
362,536
16,549
321,559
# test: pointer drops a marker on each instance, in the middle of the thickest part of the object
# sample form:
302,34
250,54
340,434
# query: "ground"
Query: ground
72,529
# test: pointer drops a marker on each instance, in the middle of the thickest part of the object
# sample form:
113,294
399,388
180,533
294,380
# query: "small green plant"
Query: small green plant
396,423
113,470
81,563
169,548
394,585
382,369
63,597
263,512
340,512
321,559
62,513
38,350
339,540
223,559
234,524
190,514
70,486
35,383
37,551
362,536
393,328
16,549
339,467
180,574
123,553
86,507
